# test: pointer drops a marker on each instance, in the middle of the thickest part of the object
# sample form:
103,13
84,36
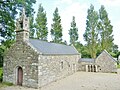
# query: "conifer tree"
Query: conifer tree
56,30
41,24
105,30
91,32
73,32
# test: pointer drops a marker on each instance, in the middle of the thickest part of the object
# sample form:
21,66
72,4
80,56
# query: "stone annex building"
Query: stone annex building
35,63
103,63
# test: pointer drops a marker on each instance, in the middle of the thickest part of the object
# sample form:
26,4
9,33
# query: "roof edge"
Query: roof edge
107,54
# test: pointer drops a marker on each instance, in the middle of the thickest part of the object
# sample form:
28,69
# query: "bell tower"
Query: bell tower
22,27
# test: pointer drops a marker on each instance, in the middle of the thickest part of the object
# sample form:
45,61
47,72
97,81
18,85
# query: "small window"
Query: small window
25,24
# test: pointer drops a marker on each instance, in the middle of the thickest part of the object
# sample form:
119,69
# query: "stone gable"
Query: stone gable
106,63
21,55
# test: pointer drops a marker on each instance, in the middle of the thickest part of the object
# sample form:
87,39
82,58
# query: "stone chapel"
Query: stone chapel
35,63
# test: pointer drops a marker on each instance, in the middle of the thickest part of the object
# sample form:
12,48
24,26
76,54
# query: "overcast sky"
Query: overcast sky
78,8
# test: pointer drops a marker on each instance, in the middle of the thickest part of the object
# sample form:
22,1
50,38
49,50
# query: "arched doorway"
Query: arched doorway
19,76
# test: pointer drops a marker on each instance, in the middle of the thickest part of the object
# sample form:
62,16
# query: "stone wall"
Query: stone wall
106,63
54,67
21,55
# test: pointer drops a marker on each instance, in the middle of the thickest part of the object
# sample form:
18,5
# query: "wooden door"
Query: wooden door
20,76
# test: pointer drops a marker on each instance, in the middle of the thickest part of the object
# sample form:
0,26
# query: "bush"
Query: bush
1,75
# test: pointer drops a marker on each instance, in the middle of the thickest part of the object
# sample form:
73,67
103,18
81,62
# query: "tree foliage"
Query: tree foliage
91,32
41,24
105,30
73,32
56,30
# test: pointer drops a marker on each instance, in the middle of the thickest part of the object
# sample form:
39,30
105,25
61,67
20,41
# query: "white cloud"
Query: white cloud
80,13
110,2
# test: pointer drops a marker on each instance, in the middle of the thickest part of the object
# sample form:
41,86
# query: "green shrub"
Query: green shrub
1,74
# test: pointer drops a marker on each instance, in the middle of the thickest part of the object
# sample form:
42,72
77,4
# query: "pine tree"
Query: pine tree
73,32
56,30
91,32
105,30
41,24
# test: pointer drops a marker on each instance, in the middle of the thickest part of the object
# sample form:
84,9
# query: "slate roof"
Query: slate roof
52,48
90,60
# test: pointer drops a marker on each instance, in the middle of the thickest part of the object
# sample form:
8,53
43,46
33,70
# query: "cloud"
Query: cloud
80,12
110,2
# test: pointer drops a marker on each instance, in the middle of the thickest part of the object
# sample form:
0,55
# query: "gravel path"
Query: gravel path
81,81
